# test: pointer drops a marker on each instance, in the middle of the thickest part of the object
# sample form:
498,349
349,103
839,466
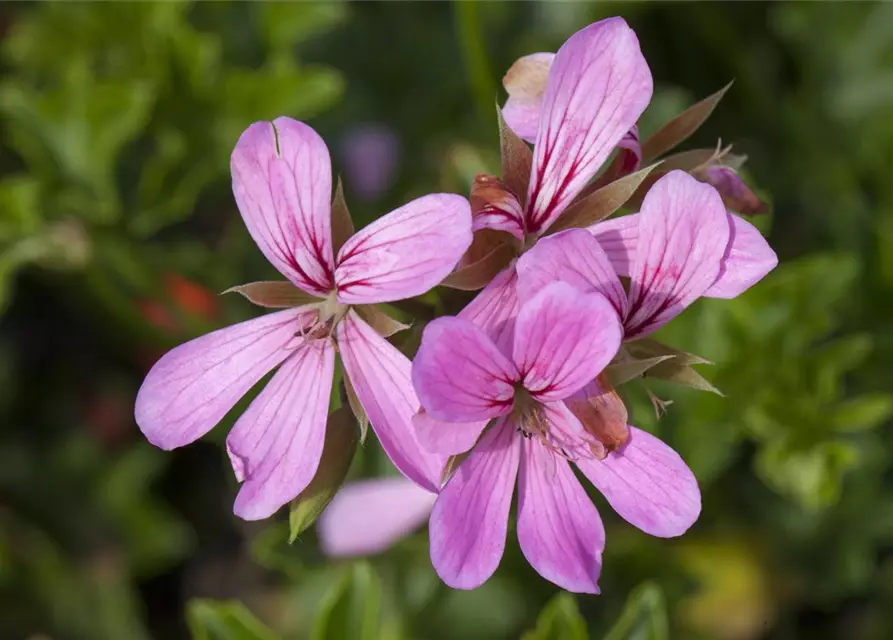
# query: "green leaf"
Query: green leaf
560,619
865,412
351,610
337,454
19,206
212,620
287,24
644,616
811,476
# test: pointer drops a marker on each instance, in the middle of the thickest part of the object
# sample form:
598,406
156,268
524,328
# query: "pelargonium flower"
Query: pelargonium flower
674,251
597,87
562,340
525,83
282,183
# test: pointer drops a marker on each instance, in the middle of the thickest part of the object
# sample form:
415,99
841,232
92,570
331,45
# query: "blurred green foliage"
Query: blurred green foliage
117,225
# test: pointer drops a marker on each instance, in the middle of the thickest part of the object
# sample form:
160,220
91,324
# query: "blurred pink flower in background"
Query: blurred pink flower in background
370,154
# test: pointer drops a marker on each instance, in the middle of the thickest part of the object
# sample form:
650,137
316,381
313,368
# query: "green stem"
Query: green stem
471,41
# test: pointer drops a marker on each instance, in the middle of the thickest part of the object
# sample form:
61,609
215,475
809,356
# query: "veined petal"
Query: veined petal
406,252
470,518
525,82
282,182
460,375
494,206
560,531
193,386
574,257
494,309
683,234
563,339
748,258
380,376
277,443
618,237
630,151
648,484
369,516
448,438
598,86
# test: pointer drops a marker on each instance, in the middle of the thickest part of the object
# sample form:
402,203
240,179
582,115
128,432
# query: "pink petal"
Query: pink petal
505,215
367,517
574,257
525,82
617,238
405,253
494,309
748,258
598,87
560,531
630,151
448,438
648,484
683,233
276,444
381,378
192,387
460,375
282,181
470,518
563,339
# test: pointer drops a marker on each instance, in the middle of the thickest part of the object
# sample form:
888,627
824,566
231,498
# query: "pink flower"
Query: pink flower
678,204
595,89
677,249
282,183
368,516
562,340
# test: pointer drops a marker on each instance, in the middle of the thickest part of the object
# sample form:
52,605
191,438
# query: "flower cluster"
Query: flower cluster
519,385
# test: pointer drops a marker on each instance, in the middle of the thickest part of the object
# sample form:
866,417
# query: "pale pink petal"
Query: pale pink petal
460,375
563,339
630,151
617,238
683,234
494,309
648,484
367,517
448,438
525,82
470,518
406,252
192,387
598,87
505,215
282,181
748,258
560,531
381,378
277,443
574,257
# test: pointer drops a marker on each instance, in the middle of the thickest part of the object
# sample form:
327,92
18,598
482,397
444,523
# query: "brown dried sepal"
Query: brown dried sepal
603,416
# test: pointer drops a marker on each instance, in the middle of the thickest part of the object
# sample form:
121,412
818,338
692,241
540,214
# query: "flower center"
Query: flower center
329,314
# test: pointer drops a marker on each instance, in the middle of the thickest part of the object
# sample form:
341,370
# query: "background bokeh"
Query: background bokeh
118,228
